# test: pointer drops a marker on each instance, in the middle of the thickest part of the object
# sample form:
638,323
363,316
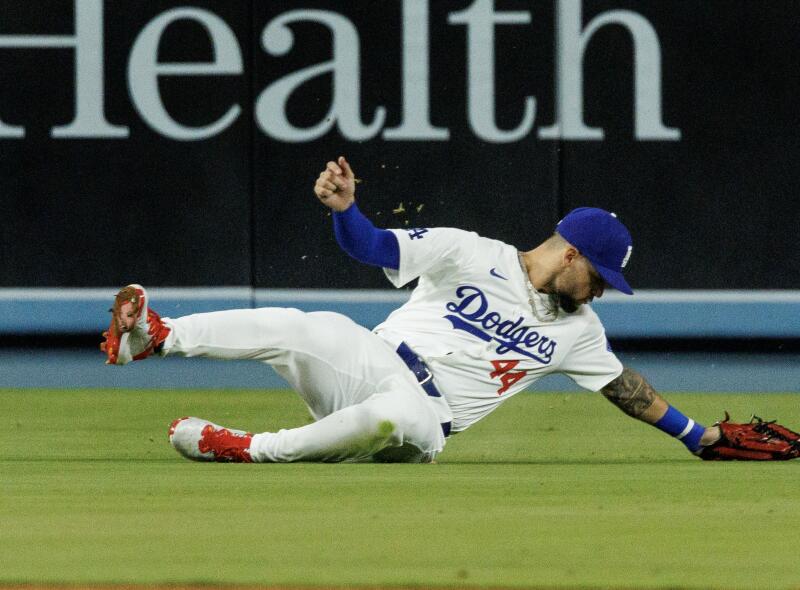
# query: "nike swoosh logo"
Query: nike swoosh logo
494,273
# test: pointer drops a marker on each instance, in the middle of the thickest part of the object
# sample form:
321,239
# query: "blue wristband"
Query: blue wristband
684,429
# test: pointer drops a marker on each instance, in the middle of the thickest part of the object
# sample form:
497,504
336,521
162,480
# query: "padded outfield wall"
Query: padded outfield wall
176,143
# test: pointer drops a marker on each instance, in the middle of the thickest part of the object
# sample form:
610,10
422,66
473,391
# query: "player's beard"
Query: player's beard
559,299
562,300
567,303
558,295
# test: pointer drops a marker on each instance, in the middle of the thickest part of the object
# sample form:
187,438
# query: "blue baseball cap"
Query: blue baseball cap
603,239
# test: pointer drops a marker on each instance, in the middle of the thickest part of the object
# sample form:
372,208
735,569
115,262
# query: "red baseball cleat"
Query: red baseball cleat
136,331
201,440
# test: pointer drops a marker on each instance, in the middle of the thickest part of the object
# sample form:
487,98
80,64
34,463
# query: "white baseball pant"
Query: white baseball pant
365,400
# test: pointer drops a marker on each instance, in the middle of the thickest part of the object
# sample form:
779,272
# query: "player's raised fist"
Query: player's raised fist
336,185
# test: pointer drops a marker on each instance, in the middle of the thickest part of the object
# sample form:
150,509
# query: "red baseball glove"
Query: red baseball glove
758,440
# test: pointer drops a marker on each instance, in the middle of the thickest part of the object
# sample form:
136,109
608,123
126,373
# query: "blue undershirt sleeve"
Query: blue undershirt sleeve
363,241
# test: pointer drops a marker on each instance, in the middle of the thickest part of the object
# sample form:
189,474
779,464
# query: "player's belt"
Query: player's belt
423,375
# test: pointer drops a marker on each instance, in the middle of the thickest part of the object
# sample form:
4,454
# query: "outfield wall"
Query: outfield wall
176,145
648,314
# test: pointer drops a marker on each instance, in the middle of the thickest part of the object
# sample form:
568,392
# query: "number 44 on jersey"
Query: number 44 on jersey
504,370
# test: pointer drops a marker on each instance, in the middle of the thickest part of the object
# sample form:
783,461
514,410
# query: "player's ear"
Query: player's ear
570,255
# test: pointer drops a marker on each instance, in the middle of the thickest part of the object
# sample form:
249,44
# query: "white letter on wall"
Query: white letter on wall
572,44
278,39
480,19
144,70
416,123
87,42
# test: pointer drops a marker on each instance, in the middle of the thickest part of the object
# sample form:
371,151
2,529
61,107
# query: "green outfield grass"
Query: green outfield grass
551,491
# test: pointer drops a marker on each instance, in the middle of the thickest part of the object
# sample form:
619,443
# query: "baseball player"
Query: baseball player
485,322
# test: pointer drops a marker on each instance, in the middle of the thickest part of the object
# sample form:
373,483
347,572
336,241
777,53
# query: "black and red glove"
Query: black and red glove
757,440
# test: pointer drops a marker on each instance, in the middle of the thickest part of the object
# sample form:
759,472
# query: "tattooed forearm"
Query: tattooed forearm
631,393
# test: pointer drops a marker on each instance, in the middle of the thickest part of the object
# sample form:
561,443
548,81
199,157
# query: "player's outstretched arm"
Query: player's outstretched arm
757,440
335,188
632,394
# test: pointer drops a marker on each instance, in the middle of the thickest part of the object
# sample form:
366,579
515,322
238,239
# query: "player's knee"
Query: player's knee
388,431
381,424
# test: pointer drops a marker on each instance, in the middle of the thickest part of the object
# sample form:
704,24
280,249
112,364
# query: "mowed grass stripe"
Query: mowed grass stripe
551,491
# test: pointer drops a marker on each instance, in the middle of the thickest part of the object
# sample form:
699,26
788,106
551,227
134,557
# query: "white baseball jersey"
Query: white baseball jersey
470,319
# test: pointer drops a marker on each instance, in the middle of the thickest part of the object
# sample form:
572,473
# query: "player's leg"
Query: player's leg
395,425
364,397
396,417
324,356
333,363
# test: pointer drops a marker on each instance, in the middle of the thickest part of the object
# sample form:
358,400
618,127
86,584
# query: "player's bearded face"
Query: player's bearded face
576,284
